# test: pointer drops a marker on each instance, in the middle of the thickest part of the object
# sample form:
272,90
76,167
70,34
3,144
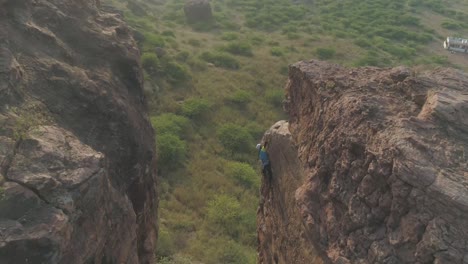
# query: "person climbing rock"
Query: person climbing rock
266,165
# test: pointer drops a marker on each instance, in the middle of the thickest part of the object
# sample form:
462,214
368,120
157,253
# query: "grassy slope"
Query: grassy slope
208,202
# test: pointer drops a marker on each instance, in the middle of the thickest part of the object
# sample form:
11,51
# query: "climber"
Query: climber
266,166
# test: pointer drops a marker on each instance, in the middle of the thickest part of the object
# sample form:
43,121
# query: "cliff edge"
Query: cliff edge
382,165
77,156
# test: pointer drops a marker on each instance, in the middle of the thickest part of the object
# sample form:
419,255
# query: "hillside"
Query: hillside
215,86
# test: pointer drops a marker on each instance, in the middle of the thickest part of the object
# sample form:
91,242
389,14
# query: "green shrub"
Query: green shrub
194,42
441,60
230,36
372,58
293,35
255,130
195,107
256,40
170,124
150,62
154,40
196,64
277,51
363,42
176,259
275,97
168,33
176,72
203,26
224,211
171,150
241,97
243,173
165,245
220,59
235,138
183,56
449,24
325,53
239,48
232,253
284,70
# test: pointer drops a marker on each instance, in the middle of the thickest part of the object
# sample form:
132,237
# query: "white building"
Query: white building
456,44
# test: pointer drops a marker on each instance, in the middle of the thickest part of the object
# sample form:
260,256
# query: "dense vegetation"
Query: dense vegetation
215,87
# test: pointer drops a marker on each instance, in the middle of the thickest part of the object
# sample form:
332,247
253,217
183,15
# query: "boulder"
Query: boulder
198,11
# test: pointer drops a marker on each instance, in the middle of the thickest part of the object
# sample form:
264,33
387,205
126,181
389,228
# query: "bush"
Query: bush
171,150
284,70
176,72
183,56
154,40
451,25
170,124
235,138
194,42
220,59
196,64
224,211
241,97
255,130
168,33
176,259
275,97
362,42
441,60
239,48
256,40
195,107
230,36
150,62
165,245
277,51
232,253
243,173
325,53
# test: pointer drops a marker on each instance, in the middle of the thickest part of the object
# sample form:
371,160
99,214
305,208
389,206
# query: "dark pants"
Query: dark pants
267,173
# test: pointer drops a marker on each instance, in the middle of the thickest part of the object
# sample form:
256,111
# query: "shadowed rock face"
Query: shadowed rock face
280,229
76,148
383,152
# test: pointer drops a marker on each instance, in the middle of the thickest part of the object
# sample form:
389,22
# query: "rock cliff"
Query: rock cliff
77,155
381,174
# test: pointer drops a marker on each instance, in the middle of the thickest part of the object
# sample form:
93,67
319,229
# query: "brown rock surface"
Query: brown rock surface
198,10
383,152
77,172
280,229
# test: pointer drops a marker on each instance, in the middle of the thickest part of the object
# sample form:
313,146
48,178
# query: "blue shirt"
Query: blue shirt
263,155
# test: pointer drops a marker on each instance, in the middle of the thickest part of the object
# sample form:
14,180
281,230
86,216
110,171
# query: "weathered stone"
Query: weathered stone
76,146
198,10
385,154
279,214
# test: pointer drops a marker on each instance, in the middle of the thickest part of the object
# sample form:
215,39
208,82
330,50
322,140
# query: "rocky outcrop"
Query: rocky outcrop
77,156
383,154
280,229
198,11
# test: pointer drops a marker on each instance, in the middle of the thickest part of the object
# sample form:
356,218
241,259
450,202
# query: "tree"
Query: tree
171,150
235,138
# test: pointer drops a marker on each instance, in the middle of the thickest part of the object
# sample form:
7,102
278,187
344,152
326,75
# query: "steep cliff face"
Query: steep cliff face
280,229
383,154
76,148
